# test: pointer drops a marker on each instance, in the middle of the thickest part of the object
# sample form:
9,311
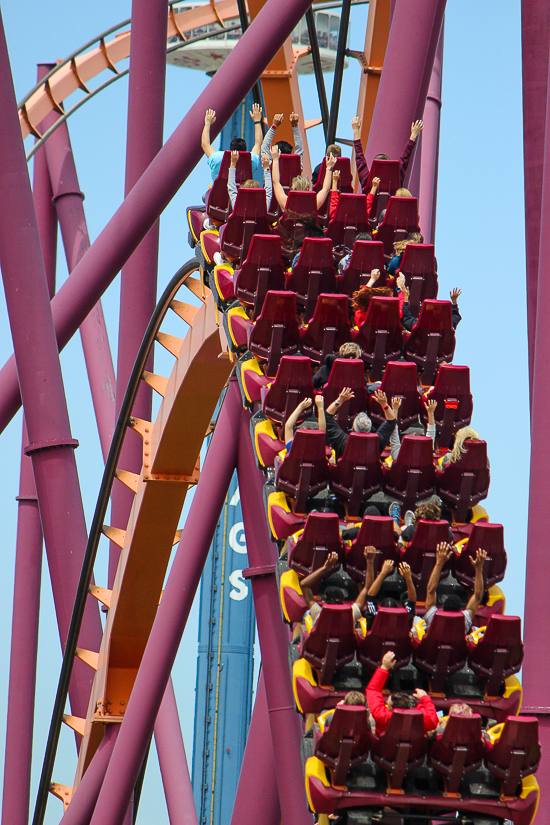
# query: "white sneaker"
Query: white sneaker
218,260
409,518
208,225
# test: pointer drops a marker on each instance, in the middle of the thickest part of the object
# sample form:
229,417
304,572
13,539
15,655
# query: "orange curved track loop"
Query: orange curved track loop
171,449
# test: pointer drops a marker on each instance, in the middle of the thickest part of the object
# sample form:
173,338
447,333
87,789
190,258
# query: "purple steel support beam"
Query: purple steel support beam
164,639
93,331
162,179
535,33
173,762
51,445
536,664
428,156
410,54
85,797
257,798
138,284
262,556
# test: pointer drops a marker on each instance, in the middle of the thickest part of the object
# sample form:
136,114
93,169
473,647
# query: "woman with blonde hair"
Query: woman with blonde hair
458,447
300,183
399,248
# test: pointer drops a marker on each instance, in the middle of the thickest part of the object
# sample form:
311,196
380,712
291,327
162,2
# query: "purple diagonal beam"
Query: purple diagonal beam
69,205
51,446
262,554
177,600
162,179
85,797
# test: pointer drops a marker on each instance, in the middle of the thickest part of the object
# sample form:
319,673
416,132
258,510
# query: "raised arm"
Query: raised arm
293,418
387,570
405,571
278,190
232,178
209,119
443,554
268,139
370,555
298,145
322,195
256,115
479,587
313,578
360,162
345,395
268,186
320,404
455,294
430,406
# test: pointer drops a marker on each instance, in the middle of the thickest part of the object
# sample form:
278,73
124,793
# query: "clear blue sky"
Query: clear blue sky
479,246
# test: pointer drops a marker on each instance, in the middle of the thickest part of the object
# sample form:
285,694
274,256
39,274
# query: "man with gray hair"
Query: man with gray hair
336,436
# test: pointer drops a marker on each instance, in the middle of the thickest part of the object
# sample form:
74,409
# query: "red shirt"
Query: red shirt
382,714
335,197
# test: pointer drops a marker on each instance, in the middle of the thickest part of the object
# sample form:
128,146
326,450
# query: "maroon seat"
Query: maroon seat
346,742
346,372
465,482
249,218
275,332
390,180
459,751
454,402
314,273
380,335
488,537
291,385
432,340
401,219
263,270
345,185
349,219
399,380
418,267
401,748
375,531
304,471
218,205
499,653
289,167
358,473
331,643
443,650
366,256
516,753
299,205
420,553
411,477
327,329
390,633
321,536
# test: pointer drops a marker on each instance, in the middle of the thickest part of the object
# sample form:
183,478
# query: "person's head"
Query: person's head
362,423
371,510
361,298
238,145
349,350
334,595
458,447
381,157
462,708
415,237
451,604
400,700
430,511
334,150
284,147
250,184
301,184
403,193
363,236
412,237
354,697
389,603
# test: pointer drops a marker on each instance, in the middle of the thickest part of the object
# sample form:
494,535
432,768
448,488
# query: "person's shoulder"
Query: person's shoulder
256,161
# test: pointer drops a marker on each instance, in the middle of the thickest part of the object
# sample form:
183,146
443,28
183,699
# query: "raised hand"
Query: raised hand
336,174
480,559
374,275
400,281
275,153
265,161
331,160
388,660
405,570
416,128
331,561
256,113
210,116
387,568
419,693
443,553
234,159
369,552
381,398
304,404
455,294
345,395
294,119
430,406
395,404
375,183
356,125
278,119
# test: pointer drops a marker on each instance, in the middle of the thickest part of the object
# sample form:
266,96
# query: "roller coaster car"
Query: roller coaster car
401,218
443,650
454,402
418,267
465,482
321,536
489,537
498,654
262,271
390,633
345,742
349,219
420,553
366,256
399,380
196,216
289,167
313,273
251,379
345,185
401,748
358,473
218,205
304,472
515,754
299,206
458,751
390,181
236,324
327,329
291,385
265,440
411,477
346,372
275,331
331,643
283,522
432,340
375,531
380,335
249,218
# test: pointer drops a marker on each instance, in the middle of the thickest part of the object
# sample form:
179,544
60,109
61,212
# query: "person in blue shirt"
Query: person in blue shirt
237,144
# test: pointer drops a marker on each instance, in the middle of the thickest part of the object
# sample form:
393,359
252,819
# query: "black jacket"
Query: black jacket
323,374
409,321
337,438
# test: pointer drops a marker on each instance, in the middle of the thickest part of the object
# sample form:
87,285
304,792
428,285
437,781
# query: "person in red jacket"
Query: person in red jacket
381,712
